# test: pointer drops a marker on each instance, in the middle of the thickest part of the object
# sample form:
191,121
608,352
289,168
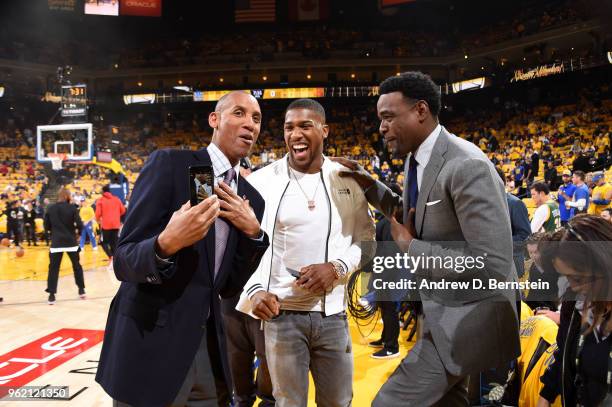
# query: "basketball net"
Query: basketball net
57,160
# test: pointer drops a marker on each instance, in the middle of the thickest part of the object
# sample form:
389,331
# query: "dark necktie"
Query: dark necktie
222,227
413,185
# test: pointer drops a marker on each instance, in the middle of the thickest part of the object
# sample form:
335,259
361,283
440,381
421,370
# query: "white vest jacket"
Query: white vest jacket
350,223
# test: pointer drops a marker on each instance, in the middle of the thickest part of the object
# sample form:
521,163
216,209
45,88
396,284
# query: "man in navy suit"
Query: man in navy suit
164,342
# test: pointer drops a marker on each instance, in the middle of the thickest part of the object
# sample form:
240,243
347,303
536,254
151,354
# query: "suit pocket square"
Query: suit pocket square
432,203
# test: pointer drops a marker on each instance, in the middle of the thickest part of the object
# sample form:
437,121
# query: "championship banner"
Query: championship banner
145,8
308,10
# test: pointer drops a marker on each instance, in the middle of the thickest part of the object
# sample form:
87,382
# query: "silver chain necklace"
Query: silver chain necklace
311,201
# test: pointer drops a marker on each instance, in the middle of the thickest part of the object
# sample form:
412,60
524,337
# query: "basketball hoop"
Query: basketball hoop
56,160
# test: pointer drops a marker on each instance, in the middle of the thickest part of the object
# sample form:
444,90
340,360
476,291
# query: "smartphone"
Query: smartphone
293,272
201,183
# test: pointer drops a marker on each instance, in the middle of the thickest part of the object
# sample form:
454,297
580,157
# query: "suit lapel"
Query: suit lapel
232,237
210,251
430,174
209,240
405,188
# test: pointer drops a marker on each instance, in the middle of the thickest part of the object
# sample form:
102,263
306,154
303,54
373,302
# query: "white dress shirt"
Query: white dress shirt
221,165
423,153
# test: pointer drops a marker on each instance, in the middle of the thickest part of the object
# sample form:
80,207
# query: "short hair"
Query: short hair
534,238
106,188
308,104
63,195
609,210
501,174
580,174
415,86
540,187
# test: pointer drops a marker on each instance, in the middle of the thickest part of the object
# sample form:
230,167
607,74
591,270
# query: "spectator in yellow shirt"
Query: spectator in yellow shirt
601,196
87,216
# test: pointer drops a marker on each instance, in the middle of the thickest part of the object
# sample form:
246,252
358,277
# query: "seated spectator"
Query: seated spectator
580,368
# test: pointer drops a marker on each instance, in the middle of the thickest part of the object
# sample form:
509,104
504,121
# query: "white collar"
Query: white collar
423,153
220,162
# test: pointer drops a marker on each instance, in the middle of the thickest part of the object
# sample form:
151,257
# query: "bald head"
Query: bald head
225,100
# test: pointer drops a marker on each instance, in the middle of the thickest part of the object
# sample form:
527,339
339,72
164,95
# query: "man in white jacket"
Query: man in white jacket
316,220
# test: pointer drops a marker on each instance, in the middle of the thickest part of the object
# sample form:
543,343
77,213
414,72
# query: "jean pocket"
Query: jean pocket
341,315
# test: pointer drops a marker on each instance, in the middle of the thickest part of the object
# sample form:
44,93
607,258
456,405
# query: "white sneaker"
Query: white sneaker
95,248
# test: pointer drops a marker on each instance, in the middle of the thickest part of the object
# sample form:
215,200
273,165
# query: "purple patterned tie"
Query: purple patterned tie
222,227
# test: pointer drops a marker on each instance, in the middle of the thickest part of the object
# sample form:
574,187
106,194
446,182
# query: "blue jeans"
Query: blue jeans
297,342
88,231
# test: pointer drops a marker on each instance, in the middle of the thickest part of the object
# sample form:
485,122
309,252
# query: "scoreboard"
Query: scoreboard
74,100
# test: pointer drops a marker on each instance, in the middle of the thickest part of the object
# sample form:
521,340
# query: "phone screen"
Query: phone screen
201,183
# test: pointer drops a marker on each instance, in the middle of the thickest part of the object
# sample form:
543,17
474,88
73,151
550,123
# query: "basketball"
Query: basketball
19,252
5,242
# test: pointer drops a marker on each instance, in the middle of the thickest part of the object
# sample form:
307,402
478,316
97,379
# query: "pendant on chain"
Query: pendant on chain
311,205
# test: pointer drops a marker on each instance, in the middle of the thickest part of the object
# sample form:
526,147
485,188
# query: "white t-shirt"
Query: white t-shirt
539,217
300,238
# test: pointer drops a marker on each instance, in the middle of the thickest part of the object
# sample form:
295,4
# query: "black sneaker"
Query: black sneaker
51,299
376,344
82,293
385,354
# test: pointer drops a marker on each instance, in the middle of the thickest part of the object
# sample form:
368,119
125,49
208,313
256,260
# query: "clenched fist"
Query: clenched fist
265,305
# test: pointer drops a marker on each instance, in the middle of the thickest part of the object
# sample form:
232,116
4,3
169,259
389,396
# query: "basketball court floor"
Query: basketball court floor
59,345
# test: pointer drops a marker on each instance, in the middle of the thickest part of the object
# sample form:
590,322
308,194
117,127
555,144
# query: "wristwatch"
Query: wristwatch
339,269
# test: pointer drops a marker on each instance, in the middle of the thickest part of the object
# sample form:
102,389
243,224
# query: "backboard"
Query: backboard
74,140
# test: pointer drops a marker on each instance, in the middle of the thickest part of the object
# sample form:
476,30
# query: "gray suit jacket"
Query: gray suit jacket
472,330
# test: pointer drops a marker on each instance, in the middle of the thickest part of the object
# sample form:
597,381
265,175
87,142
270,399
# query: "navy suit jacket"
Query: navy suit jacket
157,318
521,229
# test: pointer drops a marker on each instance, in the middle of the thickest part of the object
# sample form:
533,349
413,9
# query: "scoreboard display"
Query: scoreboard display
74,100
293,93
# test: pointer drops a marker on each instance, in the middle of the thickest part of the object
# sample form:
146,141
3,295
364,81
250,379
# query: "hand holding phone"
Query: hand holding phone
293,272
201,183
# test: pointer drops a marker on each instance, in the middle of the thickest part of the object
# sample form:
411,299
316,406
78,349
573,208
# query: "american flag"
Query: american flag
255,11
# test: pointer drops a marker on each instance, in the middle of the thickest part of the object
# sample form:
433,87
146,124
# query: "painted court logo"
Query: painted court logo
29,362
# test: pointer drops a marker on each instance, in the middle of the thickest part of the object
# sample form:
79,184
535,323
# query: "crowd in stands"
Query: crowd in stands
322,42
529,143
326,42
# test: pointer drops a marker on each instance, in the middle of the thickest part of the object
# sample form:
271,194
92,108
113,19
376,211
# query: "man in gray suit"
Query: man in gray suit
451,194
